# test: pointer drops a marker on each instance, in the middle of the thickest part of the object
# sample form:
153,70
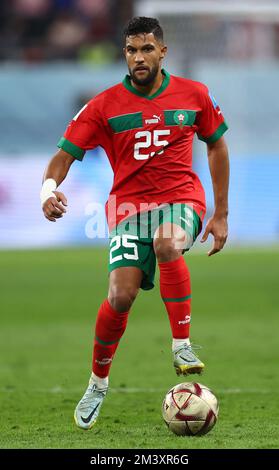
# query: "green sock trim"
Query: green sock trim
178,299
106,343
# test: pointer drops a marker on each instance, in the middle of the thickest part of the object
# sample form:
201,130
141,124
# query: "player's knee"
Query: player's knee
167,249
122,298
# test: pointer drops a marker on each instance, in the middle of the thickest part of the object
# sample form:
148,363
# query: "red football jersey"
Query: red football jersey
148,140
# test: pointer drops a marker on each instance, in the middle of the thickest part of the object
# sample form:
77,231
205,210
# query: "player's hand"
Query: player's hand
54,208
218,227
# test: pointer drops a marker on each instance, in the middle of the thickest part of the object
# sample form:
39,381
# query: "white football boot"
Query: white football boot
88,408
185,360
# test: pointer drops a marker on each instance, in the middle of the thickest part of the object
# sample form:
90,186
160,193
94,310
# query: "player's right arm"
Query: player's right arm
85,132
54,202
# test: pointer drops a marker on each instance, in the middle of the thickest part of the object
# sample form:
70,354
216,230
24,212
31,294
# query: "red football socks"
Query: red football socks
110,326
175,290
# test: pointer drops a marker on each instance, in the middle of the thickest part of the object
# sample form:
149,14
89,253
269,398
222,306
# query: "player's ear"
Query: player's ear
164,50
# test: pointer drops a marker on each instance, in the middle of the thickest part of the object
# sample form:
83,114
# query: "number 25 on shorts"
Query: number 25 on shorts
123,241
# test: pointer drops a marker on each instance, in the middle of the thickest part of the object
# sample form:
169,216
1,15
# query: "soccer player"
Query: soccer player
146,125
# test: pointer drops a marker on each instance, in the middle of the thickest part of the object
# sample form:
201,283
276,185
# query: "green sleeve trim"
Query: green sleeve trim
70,148
217,134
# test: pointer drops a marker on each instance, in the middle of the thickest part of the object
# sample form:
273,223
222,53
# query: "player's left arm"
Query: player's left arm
217,225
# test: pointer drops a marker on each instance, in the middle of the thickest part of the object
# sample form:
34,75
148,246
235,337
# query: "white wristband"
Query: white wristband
48,187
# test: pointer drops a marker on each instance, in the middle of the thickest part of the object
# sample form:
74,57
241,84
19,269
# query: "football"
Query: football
190,409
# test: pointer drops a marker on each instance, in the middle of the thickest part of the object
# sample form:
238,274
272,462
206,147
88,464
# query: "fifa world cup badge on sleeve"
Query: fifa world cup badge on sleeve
215,104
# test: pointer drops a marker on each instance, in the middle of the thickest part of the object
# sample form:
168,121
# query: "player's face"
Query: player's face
144,55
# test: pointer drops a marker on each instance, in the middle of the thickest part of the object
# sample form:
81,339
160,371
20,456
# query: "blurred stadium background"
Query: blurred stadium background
55,54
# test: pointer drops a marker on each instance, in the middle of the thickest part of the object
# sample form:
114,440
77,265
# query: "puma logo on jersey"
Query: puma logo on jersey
155,119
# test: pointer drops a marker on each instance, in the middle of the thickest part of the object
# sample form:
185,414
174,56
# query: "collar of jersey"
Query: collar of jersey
127,84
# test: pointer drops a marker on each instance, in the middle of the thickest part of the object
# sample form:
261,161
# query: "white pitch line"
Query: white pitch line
58,389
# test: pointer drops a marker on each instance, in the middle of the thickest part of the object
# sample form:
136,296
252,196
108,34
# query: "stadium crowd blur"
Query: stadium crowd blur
35,31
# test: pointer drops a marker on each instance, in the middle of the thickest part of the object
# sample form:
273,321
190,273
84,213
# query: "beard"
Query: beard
147,80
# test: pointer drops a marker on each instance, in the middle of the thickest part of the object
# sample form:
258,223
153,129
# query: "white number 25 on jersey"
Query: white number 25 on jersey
147,142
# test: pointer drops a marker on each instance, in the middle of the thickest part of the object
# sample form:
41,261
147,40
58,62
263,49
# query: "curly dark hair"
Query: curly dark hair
143,24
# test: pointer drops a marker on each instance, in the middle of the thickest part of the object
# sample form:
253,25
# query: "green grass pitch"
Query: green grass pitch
49,301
